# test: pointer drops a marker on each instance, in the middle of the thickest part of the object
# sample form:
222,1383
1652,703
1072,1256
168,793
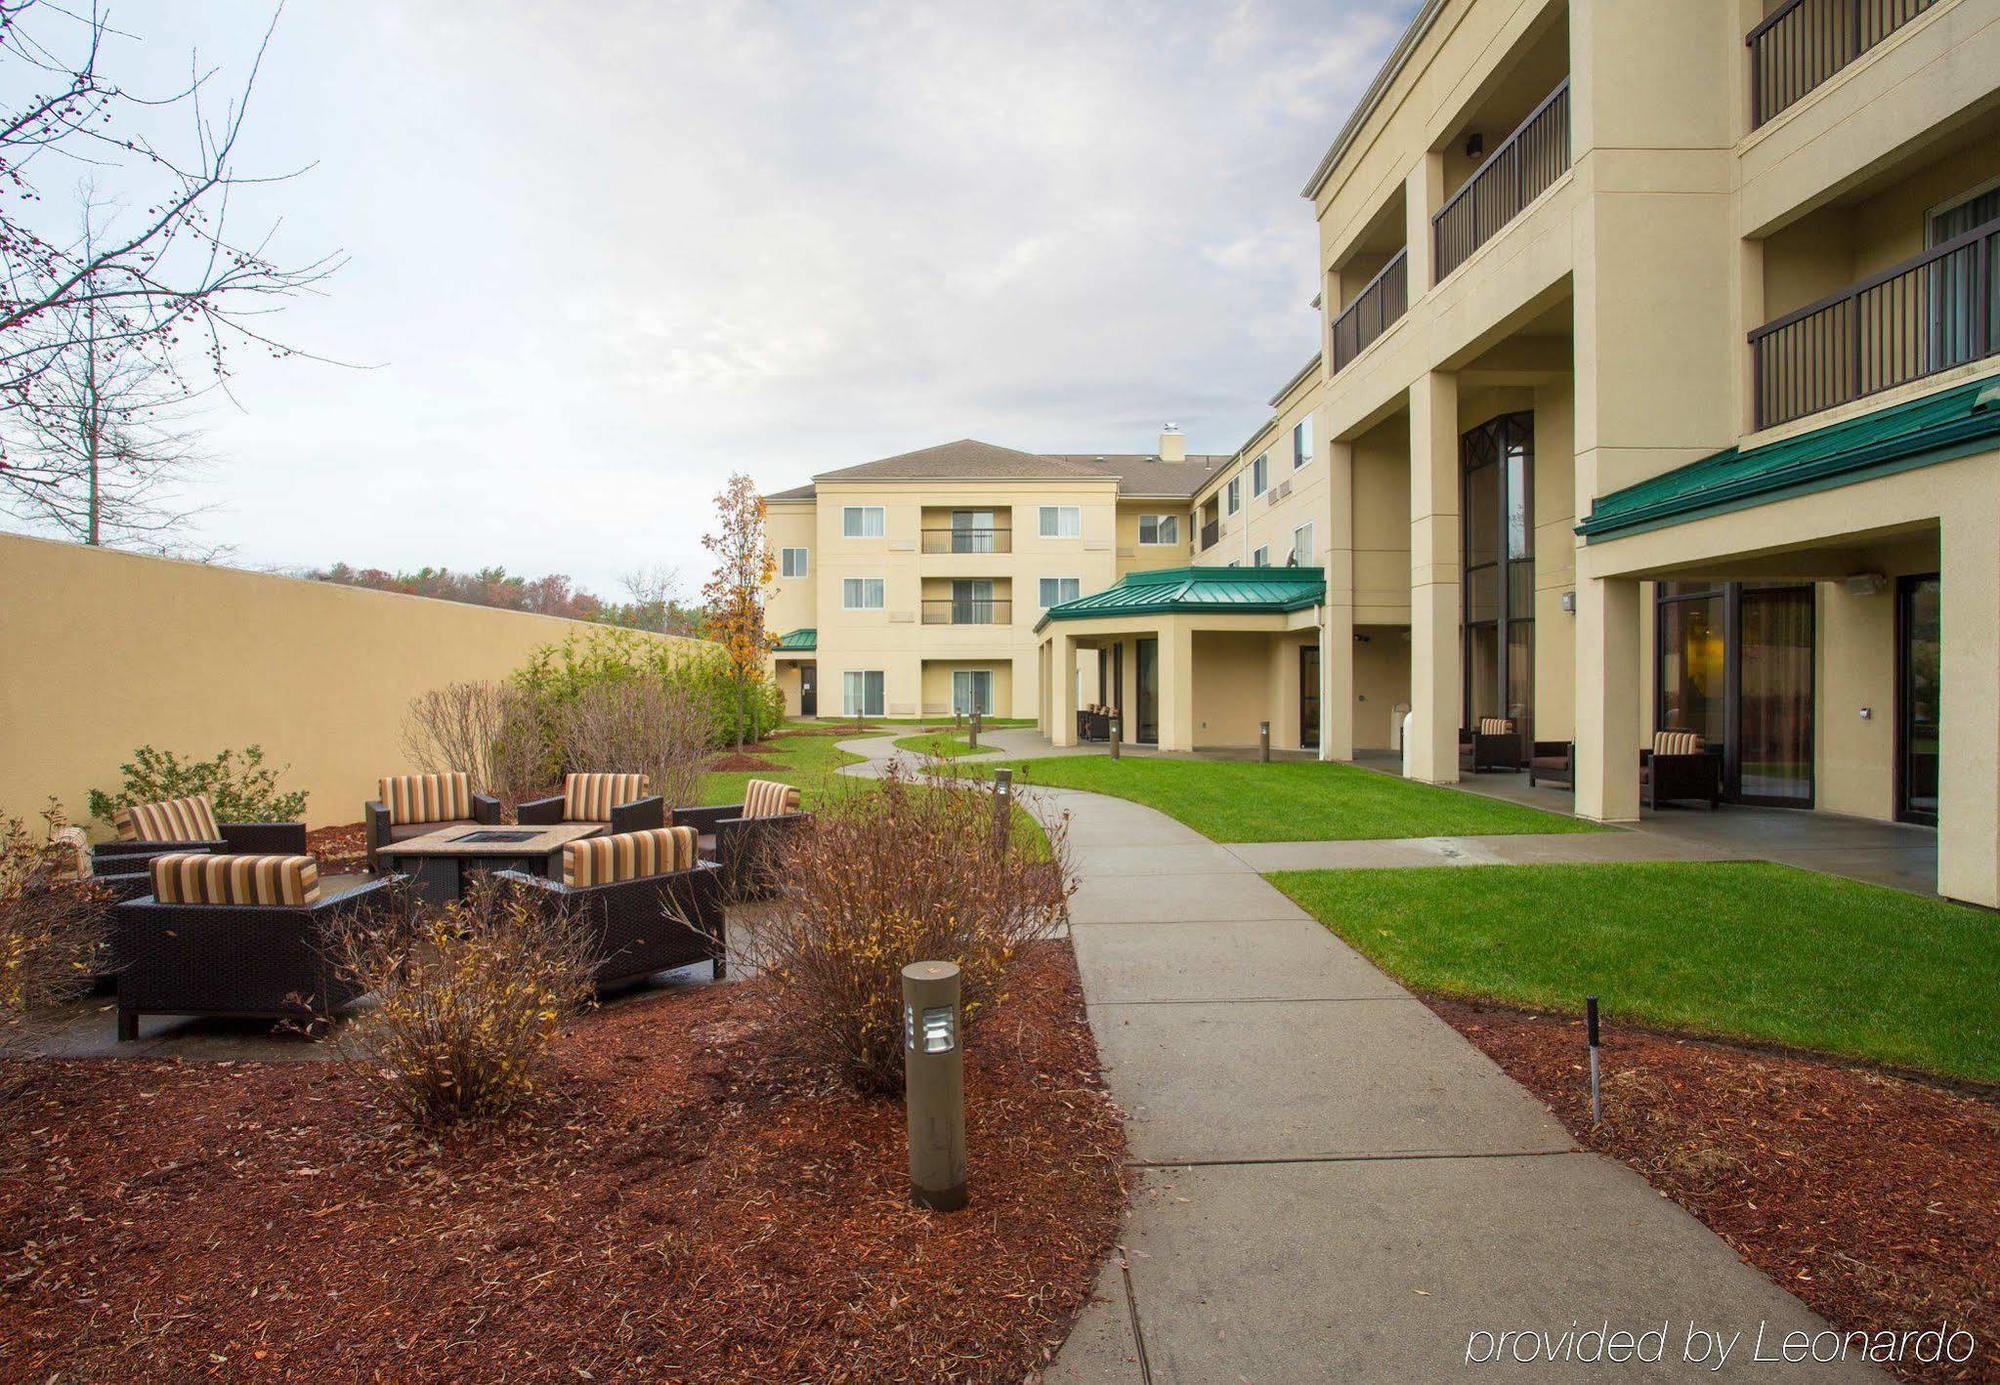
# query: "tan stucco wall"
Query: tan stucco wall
792,602
937,686
1297,494
1381,685
101,652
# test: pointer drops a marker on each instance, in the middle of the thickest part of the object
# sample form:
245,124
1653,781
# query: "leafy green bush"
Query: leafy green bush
242,789
557,674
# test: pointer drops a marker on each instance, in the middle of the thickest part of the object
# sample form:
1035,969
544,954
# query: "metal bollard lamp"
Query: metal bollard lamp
934,1084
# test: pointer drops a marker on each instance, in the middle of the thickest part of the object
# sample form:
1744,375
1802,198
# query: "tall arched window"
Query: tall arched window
1497,512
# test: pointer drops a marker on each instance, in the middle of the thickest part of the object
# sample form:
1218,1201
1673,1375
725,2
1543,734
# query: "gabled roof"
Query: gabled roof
805,492
798,641
1213,590
1935,428
1140,474
966,459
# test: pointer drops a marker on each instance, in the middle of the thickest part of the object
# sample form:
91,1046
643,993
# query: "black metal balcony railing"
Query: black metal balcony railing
968,540
1801,44
956,610
1929,313
1211,533
1515,174
1368,316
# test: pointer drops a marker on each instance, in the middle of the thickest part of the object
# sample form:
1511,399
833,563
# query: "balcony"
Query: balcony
956,610
1381,301
1211,533
1525,165
1804,42
1929,313
968,540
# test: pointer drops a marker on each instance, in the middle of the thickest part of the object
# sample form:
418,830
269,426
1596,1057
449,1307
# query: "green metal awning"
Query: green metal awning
1202,590
803,641
1954,423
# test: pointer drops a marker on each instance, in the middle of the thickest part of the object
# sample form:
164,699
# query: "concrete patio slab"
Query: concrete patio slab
1236,959
1187,898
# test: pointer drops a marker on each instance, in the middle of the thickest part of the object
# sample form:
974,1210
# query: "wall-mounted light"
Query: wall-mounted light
1865,584
1569,603
1475,145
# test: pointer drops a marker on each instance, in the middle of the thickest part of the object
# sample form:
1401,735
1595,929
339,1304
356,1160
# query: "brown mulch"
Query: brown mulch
339,850
683,1204
1872,1197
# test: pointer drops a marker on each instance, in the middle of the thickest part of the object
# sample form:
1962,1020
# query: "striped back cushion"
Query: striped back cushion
767,798
629,856
591,797
1677,743
70,849
428,797
176,820
196,878
1495,726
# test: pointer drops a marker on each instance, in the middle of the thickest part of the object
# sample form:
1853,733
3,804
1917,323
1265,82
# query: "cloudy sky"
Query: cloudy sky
602,254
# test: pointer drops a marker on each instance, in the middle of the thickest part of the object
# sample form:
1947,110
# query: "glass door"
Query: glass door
972,531
1498,536
1919,646
1309,696
972,601
1147,668
972,691
1774,742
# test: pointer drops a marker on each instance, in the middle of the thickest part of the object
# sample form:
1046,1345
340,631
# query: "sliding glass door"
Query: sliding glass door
1147,686
972,691
1919,645
1734,662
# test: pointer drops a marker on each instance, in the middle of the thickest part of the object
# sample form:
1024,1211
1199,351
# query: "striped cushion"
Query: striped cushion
428,797
194,878
591,797
176,820
1677,743
767,798
71,850
1495,726
628,856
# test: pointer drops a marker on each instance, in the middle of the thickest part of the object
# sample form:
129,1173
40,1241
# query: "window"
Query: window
1496,536
794,560
1262,557
1056,590
861,521
972,691
1302,545
1235,494
1260,475
1302,442
861,692
861,593
1062,522
1159,529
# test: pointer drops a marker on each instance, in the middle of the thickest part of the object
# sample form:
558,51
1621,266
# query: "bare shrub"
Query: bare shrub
469,998
908,872
54,924
485,729
645,724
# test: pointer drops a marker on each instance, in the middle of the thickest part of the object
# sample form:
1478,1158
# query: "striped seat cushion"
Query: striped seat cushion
1495,726
628,856
767,798
1677,743
176,820
427,797
194,878
591,797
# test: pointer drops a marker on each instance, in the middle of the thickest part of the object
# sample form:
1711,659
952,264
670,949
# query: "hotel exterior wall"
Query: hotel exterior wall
1260,522
793,602
101,652
1134,556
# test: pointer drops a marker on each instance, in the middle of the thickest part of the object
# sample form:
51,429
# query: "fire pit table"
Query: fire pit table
442,864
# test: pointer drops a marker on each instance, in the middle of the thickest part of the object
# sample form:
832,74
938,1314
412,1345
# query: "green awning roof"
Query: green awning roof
1210,590
1935,428
799,641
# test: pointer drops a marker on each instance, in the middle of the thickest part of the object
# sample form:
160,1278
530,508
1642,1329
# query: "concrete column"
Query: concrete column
1969,759
1436,690
1423,194
1176,685
1062,686
1607,698
1336,645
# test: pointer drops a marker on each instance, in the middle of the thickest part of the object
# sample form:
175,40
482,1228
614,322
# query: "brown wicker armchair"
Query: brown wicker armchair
1093,723
650,903
147,830
1679,766
415,805
745,838
618,801
1496,745
241,936
1552,762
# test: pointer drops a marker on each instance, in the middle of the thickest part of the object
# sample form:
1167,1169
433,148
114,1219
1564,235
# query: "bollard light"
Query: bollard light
1003,809
1117,732
934,1084
975,728
1264,741
1590,1028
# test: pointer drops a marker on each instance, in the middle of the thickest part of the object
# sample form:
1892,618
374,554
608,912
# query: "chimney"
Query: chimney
1173,447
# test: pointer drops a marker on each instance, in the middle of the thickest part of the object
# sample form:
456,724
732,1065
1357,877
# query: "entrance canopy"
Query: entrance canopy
1199,591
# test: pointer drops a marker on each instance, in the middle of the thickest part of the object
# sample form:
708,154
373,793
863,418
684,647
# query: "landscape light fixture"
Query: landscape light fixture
934,1084
1116,732
975,728
1003,809
1264,742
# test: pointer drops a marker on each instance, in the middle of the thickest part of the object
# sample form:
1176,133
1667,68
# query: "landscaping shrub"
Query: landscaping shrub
242,789
53,924
557,674
468,998
485,729
644,723
909,872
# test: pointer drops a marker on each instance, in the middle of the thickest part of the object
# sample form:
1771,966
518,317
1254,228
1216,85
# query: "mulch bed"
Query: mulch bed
339,850
682,1204
1872,1197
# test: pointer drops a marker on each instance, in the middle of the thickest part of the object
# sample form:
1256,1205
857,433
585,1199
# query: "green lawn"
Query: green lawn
1745,950
1289,800
808,761
941,743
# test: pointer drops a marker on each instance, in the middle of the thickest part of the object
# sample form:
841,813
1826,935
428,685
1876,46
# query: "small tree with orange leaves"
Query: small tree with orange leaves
734,595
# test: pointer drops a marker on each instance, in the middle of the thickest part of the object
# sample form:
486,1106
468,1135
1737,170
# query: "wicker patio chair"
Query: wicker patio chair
1093,723
618,801
240,936
651,903
1679,767
415,805
745,838
147,830
1553,762
1494,746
